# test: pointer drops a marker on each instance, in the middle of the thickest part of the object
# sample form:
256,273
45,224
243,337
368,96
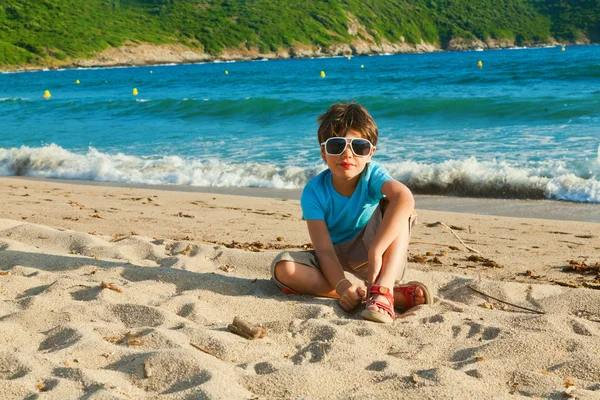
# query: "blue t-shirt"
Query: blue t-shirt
344,216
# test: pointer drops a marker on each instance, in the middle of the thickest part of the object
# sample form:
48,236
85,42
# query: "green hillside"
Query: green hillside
39,31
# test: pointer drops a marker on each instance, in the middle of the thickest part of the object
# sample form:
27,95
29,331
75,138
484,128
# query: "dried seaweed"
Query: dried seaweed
111,286
257,247
486,262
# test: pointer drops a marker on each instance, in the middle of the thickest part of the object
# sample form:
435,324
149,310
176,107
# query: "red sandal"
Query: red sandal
408,290
377,316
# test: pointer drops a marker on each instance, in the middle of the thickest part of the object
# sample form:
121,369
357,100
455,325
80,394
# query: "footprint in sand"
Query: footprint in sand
321,339
193,312
475,329
377,366
311,311
313,353
169,372
86,294
60,338
580,328
363,331
12,367
134,316
264,368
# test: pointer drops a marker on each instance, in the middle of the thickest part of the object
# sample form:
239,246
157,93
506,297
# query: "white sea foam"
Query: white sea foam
471,177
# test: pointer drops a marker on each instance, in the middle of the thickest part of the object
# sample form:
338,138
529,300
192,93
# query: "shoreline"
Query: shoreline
145,55
546,209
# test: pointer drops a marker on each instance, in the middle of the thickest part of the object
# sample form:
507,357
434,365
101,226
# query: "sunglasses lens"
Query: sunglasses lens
361,147
335,146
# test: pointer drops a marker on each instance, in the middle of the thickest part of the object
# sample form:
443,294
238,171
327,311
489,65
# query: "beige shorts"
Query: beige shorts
353,254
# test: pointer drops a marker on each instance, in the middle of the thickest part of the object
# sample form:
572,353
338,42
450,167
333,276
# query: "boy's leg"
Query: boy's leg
303,279
299,272
394,262
393,259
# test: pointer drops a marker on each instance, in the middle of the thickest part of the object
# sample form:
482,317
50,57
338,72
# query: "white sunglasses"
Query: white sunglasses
335,146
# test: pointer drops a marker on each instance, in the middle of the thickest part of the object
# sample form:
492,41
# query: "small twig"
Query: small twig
454,233
119,238
506,302
80,285
433,244
202,349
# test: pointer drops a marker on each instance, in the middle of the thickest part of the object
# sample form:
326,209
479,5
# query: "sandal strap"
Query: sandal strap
382,291
385,292
409,294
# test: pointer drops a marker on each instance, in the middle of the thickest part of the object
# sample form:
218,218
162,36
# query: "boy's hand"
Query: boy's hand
351,295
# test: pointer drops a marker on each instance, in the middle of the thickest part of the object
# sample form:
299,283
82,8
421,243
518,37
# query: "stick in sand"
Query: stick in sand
506,302
454,233
202,349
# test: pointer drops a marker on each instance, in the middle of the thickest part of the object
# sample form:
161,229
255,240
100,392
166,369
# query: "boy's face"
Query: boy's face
347,165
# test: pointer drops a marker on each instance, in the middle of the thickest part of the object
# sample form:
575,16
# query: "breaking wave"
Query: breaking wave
464,177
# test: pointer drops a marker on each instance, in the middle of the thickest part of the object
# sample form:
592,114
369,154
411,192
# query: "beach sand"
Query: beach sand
126,293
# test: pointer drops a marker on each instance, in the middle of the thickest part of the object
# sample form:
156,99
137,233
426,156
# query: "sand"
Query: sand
126,293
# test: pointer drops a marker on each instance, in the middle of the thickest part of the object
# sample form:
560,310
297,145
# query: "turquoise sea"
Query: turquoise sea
525,125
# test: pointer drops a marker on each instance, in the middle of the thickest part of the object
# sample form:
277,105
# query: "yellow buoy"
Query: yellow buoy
362,66
134,92
77,82
479,64
349,57
322,74
47,94
563,49
226,72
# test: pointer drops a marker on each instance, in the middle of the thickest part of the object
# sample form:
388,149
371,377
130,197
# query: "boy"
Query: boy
359,220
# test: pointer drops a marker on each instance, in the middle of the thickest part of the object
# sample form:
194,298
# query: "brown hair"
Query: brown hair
344,117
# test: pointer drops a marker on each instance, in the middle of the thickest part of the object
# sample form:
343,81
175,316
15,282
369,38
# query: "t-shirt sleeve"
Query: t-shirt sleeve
379,176
312,209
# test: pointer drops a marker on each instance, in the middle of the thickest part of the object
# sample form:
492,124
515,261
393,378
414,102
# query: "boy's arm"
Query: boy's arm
394,223
350,294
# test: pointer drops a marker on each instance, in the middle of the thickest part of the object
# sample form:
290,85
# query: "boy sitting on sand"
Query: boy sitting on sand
359,220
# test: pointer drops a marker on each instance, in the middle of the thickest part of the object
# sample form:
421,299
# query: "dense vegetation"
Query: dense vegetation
36,31
572,19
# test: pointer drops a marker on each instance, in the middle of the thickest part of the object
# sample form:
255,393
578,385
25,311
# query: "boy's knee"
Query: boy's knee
283,270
